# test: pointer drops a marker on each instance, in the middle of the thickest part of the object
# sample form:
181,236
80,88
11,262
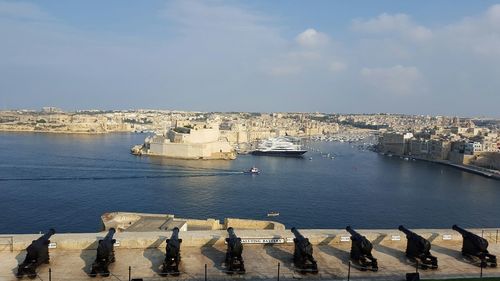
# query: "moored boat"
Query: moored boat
281,146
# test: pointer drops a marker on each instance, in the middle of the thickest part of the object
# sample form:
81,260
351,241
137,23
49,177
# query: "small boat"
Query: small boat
254,171
310,158
273,214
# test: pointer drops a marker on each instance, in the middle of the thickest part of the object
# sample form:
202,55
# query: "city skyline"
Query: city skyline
411,58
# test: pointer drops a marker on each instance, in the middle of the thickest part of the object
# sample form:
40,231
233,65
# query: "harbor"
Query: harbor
86,177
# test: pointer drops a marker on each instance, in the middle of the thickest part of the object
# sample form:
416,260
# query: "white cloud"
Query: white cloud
399,24
337,66
493,15
303,55
284,70
310,38
397,80
308,53
478,35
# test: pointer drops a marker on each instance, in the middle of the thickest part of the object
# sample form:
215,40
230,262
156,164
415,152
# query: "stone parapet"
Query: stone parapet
143,240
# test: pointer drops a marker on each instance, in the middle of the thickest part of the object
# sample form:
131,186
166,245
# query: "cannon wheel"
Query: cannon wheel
359,266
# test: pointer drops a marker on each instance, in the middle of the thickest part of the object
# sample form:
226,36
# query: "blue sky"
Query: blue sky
418,57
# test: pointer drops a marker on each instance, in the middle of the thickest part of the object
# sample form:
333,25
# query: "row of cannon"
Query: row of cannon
474,248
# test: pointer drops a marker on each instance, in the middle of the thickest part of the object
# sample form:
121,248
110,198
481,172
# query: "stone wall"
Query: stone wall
193,151
252,224
143,240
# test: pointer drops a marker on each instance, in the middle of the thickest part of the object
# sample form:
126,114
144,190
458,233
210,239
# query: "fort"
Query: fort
187,142
266,252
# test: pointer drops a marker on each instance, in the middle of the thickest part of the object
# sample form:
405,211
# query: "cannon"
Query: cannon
234,260
418,249
173,254
105,255
37,253
361,251
475,248
303,258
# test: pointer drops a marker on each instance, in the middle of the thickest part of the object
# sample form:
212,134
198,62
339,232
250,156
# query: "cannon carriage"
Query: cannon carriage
475,248
173,255
105,255
361,251
303,259
37,254
234,260
418,249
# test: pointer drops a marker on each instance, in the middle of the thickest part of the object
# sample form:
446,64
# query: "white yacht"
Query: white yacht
280,146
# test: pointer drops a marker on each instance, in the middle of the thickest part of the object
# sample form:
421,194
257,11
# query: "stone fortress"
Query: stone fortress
188,141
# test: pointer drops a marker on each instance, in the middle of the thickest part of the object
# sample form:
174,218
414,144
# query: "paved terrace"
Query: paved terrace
144,252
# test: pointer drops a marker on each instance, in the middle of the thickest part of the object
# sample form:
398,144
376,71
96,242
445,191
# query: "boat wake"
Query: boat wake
110,169
84,178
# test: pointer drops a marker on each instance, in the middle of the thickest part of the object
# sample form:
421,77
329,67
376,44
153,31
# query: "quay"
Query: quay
71,255
467,168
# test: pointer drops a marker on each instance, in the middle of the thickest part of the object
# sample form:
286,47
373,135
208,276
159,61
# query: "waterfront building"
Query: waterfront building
472,148
395,142
490,142
432,149
439,149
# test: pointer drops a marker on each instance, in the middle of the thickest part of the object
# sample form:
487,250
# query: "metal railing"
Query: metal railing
207,275
10,242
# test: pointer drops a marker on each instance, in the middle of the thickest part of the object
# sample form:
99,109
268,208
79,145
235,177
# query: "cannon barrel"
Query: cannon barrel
462,231
47,235
405,230
110,234
352,231
105,247
296,233
175,234
230,230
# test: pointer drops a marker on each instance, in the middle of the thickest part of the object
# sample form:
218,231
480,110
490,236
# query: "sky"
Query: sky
416,57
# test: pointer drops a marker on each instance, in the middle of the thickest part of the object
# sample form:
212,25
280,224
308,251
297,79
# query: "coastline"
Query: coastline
61,132
466,168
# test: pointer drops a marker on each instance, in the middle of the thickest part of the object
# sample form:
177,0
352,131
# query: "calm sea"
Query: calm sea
68,181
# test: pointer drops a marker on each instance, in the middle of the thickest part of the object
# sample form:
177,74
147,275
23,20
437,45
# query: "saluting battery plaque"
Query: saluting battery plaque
395,238
446,236
262,240
345,238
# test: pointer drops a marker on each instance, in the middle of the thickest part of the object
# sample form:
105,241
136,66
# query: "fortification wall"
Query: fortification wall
143,240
